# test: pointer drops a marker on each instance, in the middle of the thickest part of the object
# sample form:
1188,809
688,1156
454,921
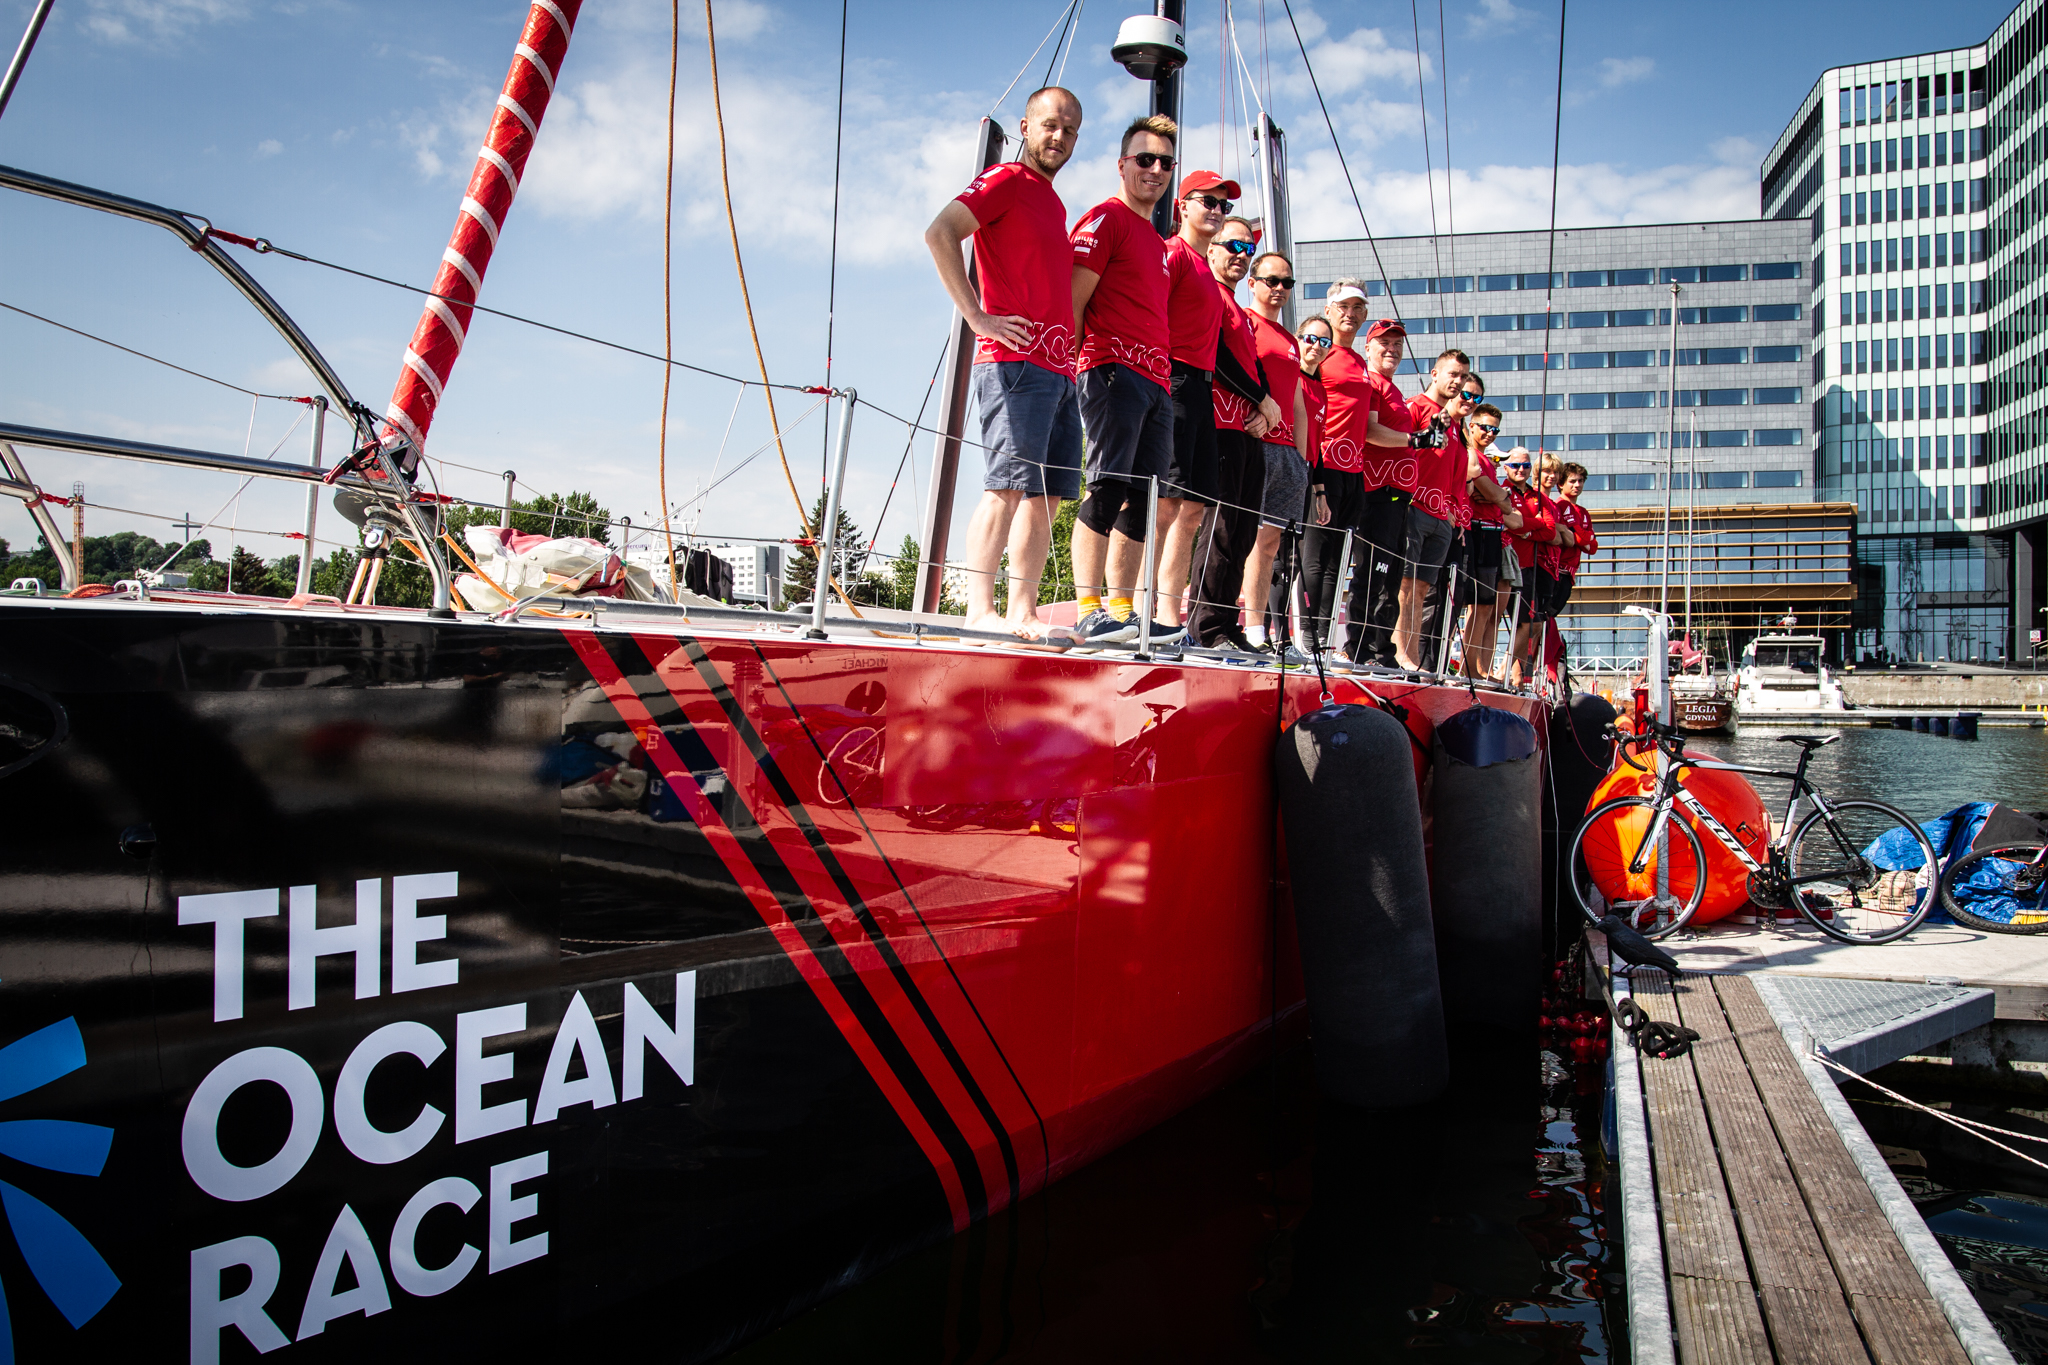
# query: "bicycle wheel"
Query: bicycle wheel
1863,872
2001,890
1602,850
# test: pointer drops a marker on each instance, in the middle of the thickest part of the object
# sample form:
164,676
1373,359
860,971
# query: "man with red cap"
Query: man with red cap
1196,314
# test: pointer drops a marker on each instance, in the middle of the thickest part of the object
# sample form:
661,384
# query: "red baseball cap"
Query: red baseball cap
1385,327
1197,181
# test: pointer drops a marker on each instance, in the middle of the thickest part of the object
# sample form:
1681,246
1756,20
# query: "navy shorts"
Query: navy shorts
1194,473
1426,546
1129,419
1030,428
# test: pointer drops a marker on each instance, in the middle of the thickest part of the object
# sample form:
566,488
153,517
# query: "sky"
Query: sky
346,130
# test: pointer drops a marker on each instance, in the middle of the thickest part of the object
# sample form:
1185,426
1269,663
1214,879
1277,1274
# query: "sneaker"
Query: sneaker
1098,627
1159,633
1233,641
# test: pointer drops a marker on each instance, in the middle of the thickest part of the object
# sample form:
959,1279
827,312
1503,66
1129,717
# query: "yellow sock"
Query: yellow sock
1119,607
1086,603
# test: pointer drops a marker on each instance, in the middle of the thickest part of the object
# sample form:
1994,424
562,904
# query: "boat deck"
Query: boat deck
1776,1240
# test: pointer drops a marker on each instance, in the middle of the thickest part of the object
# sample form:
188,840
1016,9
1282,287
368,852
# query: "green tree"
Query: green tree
108,559
247,573
546,514
803,566
903,582
1057,585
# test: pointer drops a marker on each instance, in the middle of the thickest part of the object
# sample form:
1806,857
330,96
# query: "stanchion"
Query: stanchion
1148,568
821,584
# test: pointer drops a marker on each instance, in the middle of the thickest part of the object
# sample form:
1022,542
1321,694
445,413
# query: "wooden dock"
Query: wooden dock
1775,1246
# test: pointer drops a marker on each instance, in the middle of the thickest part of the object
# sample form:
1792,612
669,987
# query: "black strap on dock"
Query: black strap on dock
1653,1037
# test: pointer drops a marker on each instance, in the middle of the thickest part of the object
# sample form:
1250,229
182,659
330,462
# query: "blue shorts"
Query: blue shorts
1031,428
1130,423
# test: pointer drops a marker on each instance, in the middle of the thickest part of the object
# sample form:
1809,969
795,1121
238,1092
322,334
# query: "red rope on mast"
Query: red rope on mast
444,322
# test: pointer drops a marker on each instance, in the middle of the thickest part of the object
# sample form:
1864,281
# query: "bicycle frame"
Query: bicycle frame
1671,792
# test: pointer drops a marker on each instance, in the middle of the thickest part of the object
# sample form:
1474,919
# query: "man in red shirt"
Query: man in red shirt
1381,441
1579,522
1119,298
1023,357
1538,529
1243,410
1289,447
1483,585
1436,498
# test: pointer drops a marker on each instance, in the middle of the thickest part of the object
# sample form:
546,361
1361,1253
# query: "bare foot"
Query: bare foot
993,621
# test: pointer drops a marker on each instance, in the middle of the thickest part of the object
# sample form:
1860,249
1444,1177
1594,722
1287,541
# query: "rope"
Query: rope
1443,71
1550,271
668,347
746,297
1436,241
1653,1037
154,360
1971,1126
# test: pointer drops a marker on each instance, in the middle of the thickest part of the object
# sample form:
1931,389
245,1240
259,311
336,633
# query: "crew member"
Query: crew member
1231,524
1119,298
1195,315
1385,456
1538,528
1023,376
1579,522
1436,501
1483,585
1288,448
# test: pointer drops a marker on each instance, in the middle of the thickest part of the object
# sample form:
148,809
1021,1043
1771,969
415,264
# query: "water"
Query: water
1923,775
1989,1210
1263,1225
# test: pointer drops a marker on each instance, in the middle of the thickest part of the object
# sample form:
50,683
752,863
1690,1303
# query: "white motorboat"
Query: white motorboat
1781,673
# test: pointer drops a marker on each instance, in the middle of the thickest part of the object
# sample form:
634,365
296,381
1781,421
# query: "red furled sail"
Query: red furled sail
444,322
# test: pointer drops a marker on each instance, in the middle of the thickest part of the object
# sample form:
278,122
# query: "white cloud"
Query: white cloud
1494,16
1736,151
1343,65
1517,198
160,21
269,147
1618,71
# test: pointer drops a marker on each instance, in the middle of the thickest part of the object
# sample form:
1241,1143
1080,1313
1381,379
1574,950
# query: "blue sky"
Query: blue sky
346,128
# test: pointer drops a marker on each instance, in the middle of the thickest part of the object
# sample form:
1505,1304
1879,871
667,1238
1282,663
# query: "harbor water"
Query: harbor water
1265,1224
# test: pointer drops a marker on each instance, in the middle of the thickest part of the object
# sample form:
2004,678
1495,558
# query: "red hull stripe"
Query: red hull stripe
825,882
606,671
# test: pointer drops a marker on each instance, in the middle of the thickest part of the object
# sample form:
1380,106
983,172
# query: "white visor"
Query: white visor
1345,291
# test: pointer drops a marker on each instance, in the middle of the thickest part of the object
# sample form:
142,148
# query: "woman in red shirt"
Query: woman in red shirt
1538,529
1482,584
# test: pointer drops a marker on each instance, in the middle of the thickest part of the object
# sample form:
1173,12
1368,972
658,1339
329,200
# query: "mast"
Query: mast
444,322
1277,223
1166,100
1670,455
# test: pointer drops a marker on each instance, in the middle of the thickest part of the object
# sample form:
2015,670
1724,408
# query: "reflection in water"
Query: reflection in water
1267,1225
1988,1209
1923,775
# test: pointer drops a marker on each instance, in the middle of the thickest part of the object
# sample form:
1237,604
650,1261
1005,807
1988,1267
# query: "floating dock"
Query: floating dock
1760,1224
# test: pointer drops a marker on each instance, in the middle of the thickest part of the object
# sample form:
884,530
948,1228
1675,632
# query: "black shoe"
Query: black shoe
1233,638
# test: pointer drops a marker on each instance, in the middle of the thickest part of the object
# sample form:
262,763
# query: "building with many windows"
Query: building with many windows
1575,346
1890,164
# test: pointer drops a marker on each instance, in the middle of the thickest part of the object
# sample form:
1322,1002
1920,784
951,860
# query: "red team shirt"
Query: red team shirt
1280,361
1539,520
1195,310
1440,486
1126,321
1231,410
1021,254
1349,399
1580,522
1485,513
1389,466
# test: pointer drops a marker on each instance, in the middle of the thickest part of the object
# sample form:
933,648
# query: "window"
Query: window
1490,364
1923,111
1596,483
1642,398
1630,277
1634,360
1433,325
1891,304
1891,154
1724,355
1583,402
1540,281
1977,202
1536,322
1635,440
1726,478
1977,143
1777,395
1492,283
1777,478
1848,259
1891,209
1724,438
1725,274
1891,101
1862,357
1891,252
1926,301
1863,258
1724,398
1926,442
1941,198
1779,312
1316,289
1976,400
1497,322
1862,158
1776,270
1411,287
1586,279
1633,483
1842,111
1634,317
1679,274
1776,355
1941,300
1976,244
1976,348
1862,91
1780,436
1845,163
1589,360
1589,440
1941,452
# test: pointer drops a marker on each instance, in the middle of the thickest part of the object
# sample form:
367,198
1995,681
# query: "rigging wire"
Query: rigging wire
1342,162
144,355
1032,58
746,296
1550,275
1073,14
832,269
909,437
1443,71
1061,76
668,241
1436,241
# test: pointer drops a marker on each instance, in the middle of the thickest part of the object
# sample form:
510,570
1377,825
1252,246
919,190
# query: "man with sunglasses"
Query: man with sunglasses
1119,300
1231,526
1288,446
1437,499
1483,585
1023,355
1538,528
1196,314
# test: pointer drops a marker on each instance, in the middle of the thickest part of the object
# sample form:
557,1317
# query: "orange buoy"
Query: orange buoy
1734,802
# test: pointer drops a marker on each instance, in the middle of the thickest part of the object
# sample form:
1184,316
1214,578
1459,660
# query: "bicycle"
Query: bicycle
2002,889
1860,871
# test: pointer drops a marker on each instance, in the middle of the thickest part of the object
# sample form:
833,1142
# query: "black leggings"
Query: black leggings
1322,552
1117,504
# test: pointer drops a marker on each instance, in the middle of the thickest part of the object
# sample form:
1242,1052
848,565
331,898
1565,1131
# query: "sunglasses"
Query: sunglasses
1470,396
1516,464
1220,205
1481,426
1236,248
1147,160
1323,342
1275,281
